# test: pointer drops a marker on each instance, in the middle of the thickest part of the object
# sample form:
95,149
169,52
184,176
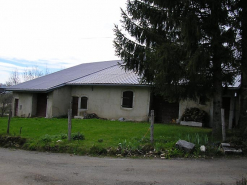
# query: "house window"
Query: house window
84,102
127,99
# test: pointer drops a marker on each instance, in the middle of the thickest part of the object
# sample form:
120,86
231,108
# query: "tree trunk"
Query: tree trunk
217,99
217,71
243,90
152,127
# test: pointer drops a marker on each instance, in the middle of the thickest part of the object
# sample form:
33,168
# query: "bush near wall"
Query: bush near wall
195,114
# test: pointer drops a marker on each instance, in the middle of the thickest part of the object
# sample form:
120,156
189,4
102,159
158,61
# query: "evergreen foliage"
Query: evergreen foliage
185,47
239,11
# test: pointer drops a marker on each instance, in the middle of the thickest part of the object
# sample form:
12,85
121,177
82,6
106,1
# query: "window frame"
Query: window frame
86,107
125,105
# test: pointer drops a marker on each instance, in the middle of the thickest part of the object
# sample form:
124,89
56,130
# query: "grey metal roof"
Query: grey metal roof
97,73
115,75
60,78
3,87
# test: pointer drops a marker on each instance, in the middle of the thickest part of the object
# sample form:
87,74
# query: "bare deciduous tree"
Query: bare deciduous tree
30,74
14,78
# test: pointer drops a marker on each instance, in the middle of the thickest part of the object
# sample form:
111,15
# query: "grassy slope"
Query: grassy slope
112,132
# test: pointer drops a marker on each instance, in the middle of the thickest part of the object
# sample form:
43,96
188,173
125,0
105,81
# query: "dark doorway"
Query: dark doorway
16,107
226,102
164,111
41,105
74,106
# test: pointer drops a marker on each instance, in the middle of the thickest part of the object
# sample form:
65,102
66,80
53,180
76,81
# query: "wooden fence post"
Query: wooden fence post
223,125
10,115
69,124
152,127
230,119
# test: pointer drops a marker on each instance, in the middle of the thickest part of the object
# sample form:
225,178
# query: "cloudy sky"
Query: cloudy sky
56,34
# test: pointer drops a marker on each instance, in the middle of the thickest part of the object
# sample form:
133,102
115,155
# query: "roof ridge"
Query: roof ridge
73,73
73,67
93,73
53,73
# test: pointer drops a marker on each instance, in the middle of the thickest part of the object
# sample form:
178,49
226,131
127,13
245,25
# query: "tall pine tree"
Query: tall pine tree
183,47
239,10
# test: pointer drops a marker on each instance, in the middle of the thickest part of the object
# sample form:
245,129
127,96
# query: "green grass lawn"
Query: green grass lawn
102,133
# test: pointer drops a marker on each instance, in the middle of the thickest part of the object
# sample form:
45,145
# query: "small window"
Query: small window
127,101
84,102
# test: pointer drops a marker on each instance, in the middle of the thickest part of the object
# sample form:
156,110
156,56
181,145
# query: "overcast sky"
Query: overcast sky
56,34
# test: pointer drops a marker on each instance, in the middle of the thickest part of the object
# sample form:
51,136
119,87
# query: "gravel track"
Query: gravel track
27,167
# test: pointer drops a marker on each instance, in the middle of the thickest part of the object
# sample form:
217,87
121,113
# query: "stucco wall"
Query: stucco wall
24,105
58,102
34,105
106,101
49,105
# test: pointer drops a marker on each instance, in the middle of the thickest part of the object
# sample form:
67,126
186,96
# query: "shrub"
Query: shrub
195,114
242,182
148,147
91,116
46,138
77,136
64,136
31,146
199,139
12,141
96,150
112,151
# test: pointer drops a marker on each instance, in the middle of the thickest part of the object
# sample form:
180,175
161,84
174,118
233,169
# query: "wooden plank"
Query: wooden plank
10,114
69,123
223,125
16,107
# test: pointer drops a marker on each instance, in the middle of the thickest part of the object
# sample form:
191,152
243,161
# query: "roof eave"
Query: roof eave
96,84
27,90
36,90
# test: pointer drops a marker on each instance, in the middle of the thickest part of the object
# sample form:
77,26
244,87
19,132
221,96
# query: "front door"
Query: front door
74,106
164,111
41,105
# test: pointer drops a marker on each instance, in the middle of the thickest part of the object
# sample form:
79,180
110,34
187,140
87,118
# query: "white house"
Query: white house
103,88
106,89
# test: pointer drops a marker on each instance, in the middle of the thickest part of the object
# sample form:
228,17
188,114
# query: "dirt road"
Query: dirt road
26,167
